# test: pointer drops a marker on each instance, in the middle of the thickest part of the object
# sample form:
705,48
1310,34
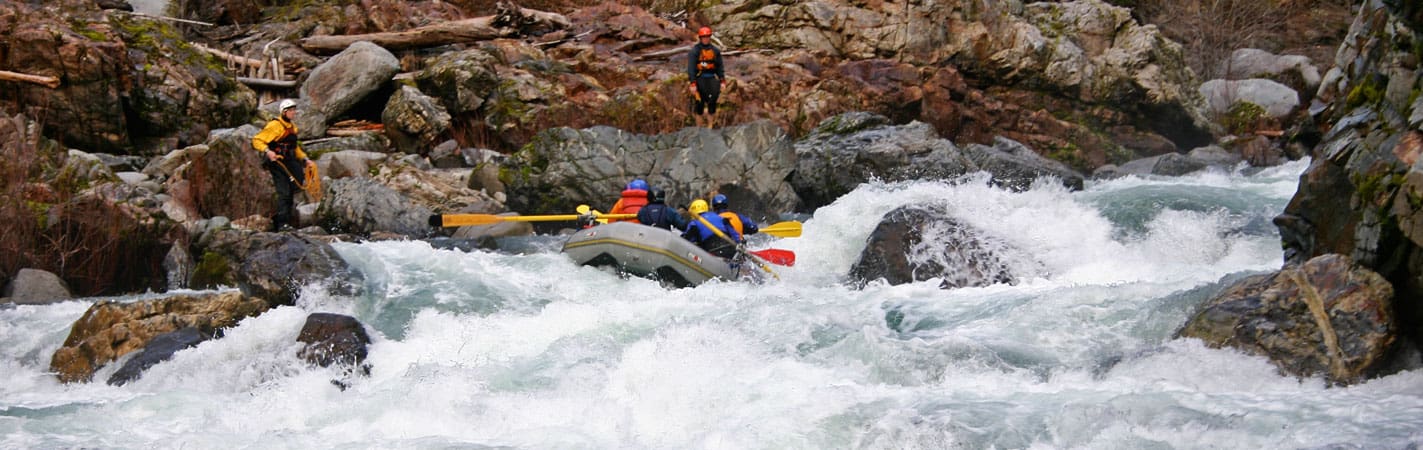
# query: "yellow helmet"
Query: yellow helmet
698,206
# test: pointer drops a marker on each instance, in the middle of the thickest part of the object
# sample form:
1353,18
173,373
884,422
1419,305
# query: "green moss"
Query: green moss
1369,91
1071,155
212,271
1243,116
1377,188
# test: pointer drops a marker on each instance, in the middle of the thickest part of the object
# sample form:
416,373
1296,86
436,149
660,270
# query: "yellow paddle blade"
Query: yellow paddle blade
789,229
461,220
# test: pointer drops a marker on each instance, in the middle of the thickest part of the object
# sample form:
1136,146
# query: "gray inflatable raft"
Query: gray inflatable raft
644,251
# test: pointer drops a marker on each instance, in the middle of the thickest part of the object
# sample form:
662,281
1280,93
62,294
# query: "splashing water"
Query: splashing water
530,351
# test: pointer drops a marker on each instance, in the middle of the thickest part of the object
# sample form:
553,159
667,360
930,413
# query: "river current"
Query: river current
527,350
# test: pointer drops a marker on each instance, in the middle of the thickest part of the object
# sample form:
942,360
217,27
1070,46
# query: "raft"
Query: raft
644,251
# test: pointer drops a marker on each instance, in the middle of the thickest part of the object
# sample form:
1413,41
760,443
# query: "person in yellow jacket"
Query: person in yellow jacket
283,157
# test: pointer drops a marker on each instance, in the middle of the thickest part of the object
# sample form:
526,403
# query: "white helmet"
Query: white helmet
287,104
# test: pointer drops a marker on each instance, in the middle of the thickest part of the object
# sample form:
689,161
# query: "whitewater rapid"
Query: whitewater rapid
494,350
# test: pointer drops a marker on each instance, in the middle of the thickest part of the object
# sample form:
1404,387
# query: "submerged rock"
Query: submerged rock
1326,317
158,350
915,243
334,339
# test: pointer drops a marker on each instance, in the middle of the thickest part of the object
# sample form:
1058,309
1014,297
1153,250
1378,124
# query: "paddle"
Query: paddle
776,256
739,246
789,229
460,220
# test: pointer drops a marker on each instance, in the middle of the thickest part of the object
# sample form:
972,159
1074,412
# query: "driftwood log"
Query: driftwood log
43,80
509,20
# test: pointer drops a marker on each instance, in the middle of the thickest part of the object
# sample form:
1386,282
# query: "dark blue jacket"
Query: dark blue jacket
660,216
708,240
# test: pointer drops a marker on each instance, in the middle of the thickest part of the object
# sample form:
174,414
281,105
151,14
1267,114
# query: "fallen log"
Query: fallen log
225,56
510,20
43,80
266,83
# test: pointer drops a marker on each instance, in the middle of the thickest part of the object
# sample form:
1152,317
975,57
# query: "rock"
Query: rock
372,141
85,169
461,80
853,148
1259,151
36,287
1214,156
161,348
178,265
564,167
134,178
448,155
364,206
122,163
413,120
1171,164
341,82
1295,71
228,178
1326,317
349,163
1016,166
1278,100
333,339
916,243
109,330
496,230
270,266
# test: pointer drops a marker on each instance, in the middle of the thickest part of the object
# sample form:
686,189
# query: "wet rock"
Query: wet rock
853,148
1016,166
334,339
1170,164
161,348
341,82
373,141
916,243
448,155
413,120
1326,317
36,287
271,266
109,330
496,230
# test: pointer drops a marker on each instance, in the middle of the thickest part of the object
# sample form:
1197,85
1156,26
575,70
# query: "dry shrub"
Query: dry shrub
1209,30
95,245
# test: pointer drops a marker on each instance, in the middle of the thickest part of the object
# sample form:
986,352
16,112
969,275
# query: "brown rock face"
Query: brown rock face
1327,317
109,330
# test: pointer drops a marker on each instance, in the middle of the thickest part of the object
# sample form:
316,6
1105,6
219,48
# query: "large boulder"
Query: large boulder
1089,50
1359,195
270,266
161,348
414,120
109,329
36,287
333,339
916,243
363,206
225,177
1276,99
1326,317
128,83
1295,71
341,82
564,167
461,80
853,148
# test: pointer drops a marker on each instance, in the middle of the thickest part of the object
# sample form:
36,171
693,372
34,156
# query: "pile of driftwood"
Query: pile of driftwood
509,20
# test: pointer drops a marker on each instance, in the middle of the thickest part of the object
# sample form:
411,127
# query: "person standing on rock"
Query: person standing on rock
707,75
284,159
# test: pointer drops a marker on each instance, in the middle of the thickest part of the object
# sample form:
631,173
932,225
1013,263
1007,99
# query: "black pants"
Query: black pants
286,188
709,88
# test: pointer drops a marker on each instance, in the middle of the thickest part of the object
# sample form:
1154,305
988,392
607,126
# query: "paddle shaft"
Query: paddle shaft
460,220
739,247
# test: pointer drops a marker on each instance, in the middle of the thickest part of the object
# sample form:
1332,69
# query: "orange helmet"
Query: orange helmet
704,32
